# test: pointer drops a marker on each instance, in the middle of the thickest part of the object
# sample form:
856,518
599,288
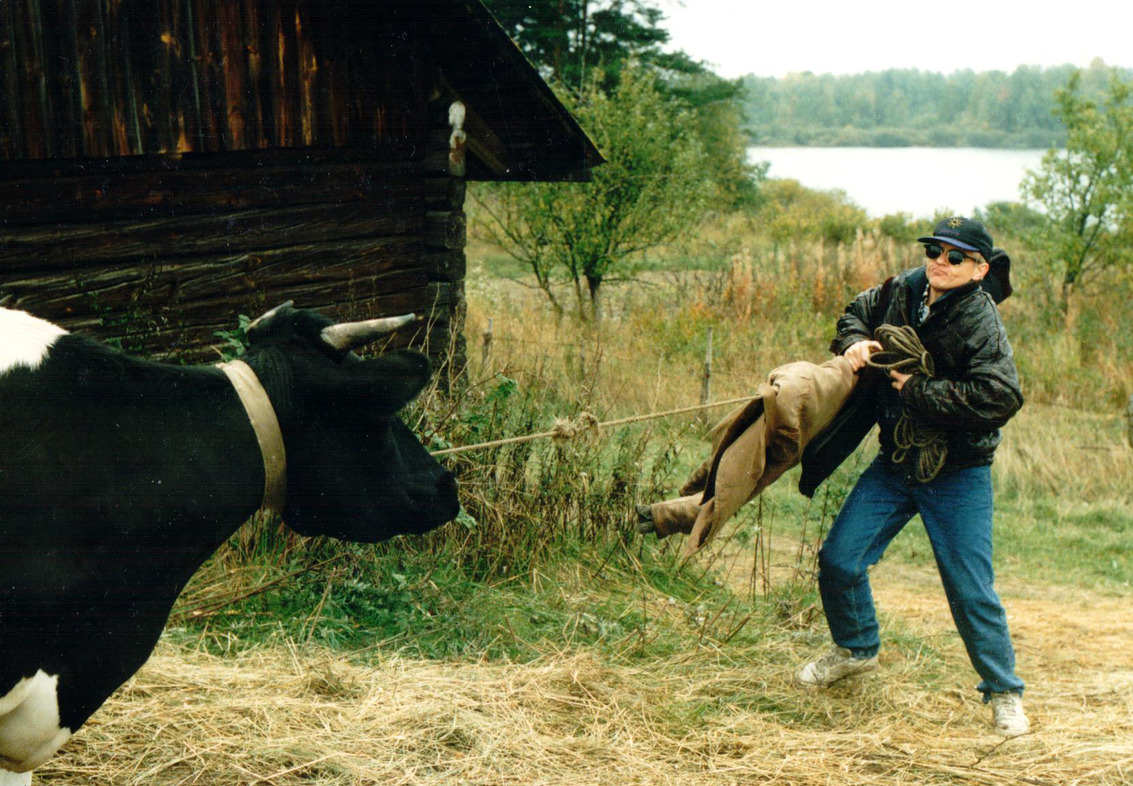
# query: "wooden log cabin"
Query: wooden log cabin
166,165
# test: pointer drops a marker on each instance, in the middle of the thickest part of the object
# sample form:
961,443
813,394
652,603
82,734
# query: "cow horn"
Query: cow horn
268,315
350,335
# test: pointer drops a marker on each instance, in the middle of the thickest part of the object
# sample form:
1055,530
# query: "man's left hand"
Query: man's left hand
899,379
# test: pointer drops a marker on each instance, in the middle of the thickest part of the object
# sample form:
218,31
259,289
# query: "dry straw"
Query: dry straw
717,715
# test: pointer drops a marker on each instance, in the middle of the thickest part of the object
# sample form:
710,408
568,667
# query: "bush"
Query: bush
899,227
792,212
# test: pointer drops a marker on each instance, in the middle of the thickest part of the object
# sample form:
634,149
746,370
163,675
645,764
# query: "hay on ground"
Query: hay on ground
279,716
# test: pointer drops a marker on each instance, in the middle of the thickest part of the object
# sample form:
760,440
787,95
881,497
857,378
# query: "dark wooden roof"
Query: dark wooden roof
535,137
118,78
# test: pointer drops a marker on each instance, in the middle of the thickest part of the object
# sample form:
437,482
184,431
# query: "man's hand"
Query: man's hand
858,353
899,379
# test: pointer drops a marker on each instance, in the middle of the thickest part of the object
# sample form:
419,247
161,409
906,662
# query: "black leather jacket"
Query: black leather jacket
974,392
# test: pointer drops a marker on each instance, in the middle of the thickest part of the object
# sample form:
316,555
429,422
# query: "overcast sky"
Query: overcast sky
777,37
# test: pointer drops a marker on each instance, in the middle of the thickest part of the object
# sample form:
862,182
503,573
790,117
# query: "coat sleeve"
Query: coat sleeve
983,395
864,312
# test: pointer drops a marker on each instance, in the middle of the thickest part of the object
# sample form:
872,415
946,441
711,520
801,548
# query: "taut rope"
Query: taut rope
586,423
902,351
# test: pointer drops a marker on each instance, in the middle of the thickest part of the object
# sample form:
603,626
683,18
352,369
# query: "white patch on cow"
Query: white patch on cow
25,340
29,724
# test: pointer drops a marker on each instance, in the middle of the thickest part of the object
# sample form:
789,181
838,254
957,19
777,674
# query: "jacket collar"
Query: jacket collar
916,282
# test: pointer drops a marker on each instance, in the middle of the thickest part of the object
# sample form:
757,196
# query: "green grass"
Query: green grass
595,596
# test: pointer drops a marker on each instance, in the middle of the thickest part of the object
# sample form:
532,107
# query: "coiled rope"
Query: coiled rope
586,424
902,351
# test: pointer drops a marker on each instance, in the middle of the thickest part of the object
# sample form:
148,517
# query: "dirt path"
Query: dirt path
1074,647
1063,636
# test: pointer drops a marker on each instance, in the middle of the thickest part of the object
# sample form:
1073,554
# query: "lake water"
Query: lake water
921,181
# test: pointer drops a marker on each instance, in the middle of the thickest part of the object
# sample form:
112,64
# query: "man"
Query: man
964,396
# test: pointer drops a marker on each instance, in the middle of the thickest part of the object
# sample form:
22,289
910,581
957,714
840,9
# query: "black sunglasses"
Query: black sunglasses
955,257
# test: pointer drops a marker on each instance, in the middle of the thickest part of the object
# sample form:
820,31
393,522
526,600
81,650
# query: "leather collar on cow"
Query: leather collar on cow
266,425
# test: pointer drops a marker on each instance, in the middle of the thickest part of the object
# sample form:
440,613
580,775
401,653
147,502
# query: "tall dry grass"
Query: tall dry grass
766,305
769,304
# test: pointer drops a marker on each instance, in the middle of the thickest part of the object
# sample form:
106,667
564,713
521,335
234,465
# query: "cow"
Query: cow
120,476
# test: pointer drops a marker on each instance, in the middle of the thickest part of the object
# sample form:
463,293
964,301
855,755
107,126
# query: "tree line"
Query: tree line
908,107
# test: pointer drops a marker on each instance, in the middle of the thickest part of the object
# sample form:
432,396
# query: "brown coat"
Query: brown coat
754,445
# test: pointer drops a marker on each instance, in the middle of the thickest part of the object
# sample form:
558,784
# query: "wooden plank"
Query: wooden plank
307,74
142,27
234,68
77,246
445,193
126,134
100,78
190,332
33,91
335,84
179,63
258,122
287,87
111,110
271,84
206,274
60,52
190,102
363,267
162,99
80,197
11,131
445,230
444,265
384,161
210,51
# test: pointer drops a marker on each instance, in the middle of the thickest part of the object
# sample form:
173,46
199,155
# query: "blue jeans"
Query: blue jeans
956,510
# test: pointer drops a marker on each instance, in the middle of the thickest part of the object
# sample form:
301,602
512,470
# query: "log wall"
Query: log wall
159,255
166,165
108,78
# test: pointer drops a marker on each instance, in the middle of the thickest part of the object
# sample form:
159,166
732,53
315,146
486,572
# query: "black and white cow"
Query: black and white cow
120,476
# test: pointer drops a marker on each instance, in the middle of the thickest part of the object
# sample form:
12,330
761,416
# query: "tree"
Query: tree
715,104
649,192
587,42
1086,190
571,39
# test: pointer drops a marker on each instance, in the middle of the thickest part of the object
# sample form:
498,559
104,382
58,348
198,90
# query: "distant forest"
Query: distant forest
900,108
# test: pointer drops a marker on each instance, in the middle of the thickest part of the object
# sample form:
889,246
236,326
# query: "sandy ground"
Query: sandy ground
1074,648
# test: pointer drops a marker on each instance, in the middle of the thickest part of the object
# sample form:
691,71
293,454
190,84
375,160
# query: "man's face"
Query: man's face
943,275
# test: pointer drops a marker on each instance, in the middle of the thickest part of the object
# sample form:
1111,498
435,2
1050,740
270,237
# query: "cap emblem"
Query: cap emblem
955,223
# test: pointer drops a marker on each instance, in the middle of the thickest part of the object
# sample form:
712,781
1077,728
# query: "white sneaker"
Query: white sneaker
1007,714
837,665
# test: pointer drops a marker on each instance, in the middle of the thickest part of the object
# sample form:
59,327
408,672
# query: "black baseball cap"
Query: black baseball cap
963,233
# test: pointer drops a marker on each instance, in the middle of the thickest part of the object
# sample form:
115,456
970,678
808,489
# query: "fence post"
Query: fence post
1129,421
706,386
486,346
